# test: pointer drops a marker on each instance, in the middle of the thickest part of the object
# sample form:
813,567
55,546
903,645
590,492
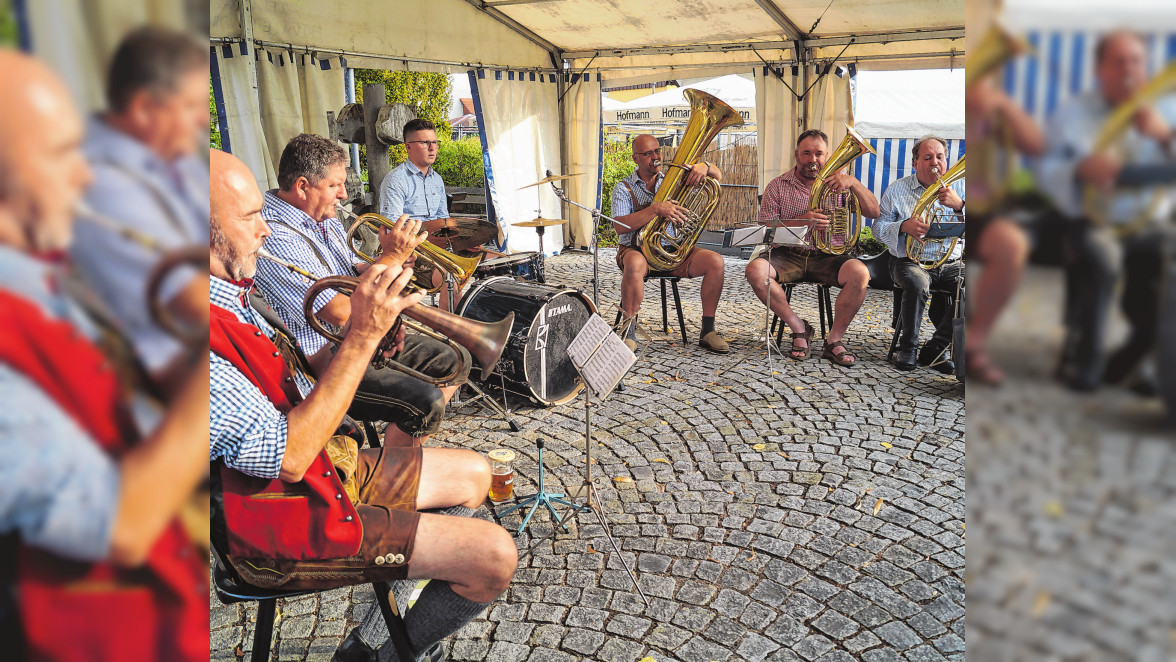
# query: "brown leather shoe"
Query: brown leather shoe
715,343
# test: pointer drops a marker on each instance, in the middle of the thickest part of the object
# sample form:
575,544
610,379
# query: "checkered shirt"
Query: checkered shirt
897,204
320,248
244,427
622,202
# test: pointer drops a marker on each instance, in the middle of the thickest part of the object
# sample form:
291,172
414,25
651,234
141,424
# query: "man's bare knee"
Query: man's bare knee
476,483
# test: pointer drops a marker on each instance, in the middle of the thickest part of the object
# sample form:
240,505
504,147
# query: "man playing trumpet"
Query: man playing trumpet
787,197
894,225
301,213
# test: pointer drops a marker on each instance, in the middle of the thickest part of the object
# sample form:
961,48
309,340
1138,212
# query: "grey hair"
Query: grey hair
919,143
310,156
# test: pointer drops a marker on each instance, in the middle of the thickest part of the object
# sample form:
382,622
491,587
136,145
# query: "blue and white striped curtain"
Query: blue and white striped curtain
893,161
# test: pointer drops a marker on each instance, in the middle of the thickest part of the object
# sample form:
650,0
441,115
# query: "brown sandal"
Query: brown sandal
807,335
838,359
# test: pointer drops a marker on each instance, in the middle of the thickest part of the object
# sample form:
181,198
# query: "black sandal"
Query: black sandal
807,335
838,359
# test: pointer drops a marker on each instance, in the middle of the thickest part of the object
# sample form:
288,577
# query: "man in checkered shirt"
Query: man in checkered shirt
787,198
312,175
405,497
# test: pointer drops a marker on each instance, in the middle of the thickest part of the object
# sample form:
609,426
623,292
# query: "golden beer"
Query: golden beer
501,474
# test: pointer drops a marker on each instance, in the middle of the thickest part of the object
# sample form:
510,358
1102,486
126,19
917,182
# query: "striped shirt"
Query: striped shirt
622,202
320,248
787,197
897,204
407,190
244,427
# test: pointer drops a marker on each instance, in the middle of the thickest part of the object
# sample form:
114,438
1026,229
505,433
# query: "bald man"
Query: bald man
91,503
633,205
271,434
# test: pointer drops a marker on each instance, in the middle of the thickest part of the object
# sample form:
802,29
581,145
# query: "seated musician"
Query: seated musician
149,177
271,434
892,228
632,204
301,215
787,197
96,563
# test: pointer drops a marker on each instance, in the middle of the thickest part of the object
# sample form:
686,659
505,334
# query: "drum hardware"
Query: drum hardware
522,266
596,217
551,179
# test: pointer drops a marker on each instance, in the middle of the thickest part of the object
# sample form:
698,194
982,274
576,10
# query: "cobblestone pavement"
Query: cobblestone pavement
814,514
1072,501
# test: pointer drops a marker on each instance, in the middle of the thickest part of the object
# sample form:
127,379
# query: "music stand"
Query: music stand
772,236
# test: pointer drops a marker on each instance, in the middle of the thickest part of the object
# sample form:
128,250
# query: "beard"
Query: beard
238,265
809,171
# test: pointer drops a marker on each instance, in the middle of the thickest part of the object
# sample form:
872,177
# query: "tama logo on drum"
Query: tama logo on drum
559,310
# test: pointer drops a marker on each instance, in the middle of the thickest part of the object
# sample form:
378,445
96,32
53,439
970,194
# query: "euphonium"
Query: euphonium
664,246
845,220
998,46
429,256
195,255
1096,202
484,342
931,253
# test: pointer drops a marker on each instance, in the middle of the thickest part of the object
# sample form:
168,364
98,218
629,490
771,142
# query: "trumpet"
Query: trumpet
170,258
485,342
429,257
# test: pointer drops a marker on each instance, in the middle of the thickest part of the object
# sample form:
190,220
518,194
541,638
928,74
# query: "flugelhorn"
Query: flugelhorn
845,220
195,255
932,253
429,256
485,342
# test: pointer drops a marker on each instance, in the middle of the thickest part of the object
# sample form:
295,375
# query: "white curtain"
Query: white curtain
582,137
829,107
518,118
294,93
775,110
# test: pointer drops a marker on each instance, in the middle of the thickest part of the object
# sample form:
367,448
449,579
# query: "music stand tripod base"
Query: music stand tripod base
540,498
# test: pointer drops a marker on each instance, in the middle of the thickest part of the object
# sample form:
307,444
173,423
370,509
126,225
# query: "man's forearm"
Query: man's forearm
313,421
636,220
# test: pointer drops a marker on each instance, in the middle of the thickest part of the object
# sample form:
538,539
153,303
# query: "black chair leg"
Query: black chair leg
894,340
263,634
373,437
665,315
821,307
678,305
397,633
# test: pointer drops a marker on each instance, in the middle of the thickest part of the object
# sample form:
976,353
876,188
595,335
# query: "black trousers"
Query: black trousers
917,285
416,407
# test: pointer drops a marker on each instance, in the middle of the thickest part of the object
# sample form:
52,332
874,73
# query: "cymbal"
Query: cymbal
541,223
460,233
553,178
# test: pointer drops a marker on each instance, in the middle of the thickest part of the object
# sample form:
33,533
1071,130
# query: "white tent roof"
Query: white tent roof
910,104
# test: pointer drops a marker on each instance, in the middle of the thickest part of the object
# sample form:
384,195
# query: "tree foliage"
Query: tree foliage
618,164
429,93
8,29
214,137
459,162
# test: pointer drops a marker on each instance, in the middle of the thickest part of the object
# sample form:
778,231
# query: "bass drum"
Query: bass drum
547,319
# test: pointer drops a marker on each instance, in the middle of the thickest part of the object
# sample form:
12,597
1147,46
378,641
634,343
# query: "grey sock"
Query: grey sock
455,511
438,613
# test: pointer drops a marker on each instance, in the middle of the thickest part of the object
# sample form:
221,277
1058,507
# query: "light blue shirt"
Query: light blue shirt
1070,135
166,201
58,489
407,190
896,206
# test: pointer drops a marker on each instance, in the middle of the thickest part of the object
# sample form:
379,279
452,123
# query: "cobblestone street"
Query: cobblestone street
812,514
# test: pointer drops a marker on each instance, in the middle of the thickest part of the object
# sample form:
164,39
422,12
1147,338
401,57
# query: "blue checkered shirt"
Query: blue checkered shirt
622,202
244,427
320,248
407,190
897,204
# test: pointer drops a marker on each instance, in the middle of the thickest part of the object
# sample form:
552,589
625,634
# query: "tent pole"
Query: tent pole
800,81
250,49
349,97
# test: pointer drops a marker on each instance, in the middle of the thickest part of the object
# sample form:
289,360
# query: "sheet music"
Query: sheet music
588,339
784,235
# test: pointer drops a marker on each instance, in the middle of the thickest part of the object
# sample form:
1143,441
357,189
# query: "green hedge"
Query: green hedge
459,162
618,164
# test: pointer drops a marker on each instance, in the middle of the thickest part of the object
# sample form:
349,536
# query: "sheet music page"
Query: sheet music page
749,236
608,365
586,341
790,235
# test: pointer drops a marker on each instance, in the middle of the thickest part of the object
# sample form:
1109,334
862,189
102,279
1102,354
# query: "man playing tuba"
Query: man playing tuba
787,197
632,204
301,215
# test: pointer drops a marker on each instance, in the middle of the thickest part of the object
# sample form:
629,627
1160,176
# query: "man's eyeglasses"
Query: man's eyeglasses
426,143
652,152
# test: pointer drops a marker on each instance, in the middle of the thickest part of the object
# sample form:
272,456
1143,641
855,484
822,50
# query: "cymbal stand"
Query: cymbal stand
596,218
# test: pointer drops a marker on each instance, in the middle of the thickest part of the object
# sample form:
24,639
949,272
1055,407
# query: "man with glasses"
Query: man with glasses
413,187
633,205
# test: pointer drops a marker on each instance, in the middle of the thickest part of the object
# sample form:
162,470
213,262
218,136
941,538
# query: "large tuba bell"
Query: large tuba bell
933,252
429,257
485,342
845,219
998,46
994,161
664,246
1097,203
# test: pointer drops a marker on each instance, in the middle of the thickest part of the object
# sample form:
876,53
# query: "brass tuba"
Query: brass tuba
932,253
845,220
664,246
485,342
429,256
1097,203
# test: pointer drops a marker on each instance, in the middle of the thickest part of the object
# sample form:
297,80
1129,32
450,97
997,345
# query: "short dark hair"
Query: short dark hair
152,58
310,156
417,125
810,134
1105,40
919,143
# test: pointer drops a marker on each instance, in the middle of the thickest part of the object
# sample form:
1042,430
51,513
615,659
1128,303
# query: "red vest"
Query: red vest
271,519
73,610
